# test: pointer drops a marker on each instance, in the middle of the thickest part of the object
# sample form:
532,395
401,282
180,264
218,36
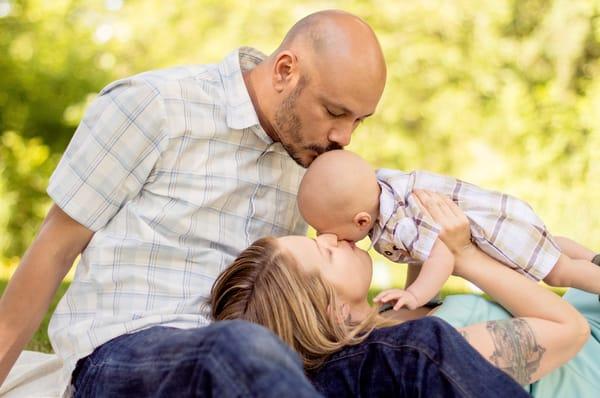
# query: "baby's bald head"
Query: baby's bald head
337,186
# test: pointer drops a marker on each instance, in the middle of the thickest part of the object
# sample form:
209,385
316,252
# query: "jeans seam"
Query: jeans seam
83,383
224,367
388,345
450,378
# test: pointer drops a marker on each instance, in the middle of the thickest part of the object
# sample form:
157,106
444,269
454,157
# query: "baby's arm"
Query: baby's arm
422,284
433,274
401,297
412,273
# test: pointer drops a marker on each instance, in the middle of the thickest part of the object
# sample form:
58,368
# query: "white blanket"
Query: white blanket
34,375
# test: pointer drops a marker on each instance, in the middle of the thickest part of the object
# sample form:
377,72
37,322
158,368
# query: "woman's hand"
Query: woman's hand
455,233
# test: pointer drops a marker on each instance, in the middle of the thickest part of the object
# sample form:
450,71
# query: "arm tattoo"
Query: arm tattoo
516,351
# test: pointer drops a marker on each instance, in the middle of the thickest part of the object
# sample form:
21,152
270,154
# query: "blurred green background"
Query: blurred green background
503,93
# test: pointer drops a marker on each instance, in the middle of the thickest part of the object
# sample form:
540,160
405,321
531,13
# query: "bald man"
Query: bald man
168,177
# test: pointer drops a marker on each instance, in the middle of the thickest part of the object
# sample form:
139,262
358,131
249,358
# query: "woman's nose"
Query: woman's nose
328,239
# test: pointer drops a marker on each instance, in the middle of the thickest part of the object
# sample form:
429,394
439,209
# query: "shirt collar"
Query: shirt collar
387,207
240,111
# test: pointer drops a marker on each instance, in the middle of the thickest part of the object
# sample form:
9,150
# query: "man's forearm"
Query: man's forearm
32,287
26,300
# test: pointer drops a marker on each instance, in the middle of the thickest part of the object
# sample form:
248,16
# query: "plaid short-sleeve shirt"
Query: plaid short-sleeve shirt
503,226
173,172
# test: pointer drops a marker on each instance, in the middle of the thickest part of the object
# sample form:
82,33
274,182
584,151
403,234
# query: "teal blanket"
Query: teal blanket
579,377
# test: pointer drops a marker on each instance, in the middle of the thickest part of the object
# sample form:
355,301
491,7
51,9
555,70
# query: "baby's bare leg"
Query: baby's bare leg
577,273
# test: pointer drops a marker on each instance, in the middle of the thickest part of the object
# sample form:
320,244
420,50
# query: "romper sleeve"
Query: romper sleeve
111,154
417,231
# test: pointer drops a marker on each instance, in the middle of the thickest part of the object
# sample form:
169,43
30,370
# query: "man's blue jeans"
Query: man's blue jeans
225,359
238,359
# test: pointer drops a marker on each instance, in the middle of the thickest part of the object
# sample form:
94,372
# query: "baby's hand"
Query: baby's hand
403,298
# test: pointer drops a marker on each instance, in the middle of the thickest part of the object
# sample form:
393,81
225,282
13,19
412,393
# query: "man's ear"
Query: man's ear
285,69
362,220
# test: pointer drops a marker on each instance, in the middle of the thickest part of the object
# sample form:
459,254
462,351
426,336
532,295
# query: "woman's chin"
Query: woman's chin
368,260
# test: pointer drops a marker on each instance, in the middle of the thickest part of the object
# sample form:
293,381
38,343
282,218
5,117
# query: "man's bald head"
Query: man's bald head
331,35
326,76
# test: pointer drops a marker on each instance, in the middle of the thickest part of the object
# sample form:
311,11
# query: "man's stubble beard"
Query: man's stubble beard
288,126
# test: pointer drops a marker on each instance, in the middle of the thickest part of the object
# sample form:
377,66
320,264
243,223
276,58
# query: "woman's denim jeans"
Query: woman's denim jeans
426,358
422,358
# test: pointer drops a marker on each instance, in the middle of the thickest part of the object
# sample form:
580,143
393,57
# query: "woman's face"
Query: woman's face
348,268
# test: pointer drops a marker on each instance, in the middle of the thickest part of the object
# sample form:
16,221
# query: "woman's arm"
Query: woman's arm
546,331
574,249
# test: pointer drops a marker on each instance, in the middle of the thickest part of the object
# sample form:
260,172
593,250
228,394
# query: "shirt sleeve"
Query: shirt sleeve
111,154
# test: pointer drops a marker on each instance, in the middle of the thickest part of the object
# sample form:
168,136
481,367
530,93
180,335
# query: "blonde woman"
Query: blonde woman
312,293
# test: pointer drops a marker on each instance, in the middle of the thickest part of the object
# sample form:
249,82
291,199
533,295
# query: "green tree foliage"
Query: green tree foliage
502,93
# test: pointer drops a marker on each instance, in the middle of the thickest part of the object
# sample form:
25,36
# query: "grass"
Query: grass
39,341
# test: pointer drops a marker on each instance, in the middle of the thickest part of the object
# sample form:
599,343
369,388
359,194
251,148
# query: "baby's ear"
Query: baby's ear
362,220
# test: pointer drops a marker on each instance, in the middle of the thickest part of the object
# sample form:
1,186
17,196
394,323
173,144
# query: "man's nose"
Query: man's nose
341,135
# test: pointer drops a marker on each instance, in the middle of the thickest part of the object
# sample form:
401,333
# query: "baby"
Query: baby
341,194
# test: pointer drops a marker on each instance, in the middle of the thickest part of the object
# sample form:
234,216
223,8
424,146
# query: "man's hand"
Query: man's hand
403,298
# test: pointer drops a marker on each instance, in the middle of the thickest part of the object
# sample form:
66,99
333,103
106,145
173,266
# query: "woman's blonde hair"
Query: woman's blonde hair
265,285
